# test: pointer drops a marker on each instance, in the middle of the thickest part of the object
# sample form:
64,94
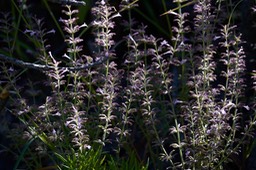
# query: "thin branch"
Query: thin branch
69,2
42,67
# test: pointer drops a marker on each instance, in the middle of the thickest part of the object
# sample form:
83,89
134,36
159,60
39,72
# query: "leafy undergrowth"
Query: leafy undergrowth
126,99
